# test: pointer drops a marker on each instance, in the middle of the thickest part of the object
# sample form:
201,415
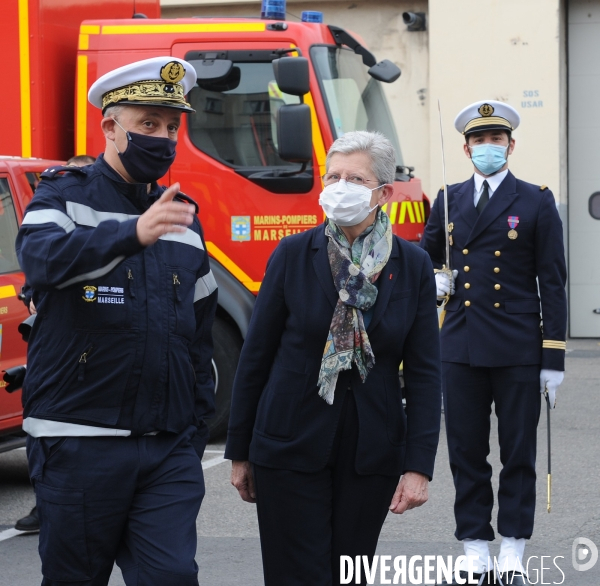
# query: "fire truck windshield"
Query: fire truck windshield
236,118
355,101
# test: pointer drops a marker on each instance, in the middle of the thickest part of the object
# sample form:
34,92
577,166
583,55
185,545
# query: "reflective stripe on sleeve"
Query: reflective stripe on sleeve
48,428
49,216
93,274
204,286
87,216
188,237
84,215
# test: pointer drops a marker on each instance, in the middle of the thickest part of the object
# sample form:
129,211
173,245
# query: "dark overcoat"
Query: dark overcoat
278,419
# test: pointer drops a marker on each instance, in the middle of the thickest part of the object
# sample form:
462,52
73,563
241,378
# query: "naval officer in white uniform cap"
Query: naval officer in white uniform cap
505,236
119,384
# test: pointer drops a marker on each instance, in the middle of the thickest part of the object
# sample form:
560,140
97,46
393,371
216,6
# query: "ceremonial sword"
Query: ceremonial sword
446,267
549,453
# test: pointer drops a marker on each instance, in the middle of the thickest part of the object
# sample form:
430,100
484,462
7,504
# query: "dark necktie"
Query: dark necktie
485,197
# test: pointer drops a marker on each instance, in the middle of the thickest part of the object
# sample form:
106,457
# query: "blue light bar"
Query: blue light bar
311,16
273,10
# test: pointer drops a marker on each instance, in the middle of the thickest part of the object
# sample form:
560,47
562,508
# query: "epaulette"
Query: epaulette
186,198
543,187
52,172
442,188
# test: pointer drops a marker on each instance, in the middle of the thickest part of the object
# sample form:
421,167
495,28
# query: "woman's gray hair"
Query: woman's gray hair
375,144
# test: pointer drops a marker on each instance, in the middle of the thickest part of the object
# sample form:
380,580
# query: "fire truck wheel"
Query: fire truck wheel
227,346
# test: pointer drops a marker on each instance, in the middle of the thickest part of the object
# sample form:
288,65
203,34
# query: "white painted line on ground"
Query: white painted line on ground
213,462
214,451
4,535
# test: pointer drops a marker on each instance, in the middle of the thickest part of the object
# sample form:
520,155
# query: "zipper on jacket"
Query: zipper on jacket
176,284
82,362
130,283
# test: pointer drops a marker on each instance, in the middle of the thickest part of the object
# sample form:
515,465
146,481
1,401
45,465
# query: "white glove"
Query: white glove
551,380
444,284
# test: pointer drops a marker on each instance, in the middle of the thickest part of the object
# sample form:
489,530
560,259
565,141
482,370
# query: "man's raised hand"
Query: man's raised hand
164,216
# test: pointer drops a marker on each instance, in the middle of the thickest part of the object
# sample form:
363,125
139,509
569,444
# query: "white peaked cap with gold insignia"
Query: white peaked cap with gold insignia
159,81
487,115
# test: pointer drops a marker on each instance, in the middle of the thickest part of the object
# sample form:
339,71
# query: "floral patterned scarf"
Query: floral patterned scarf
354,268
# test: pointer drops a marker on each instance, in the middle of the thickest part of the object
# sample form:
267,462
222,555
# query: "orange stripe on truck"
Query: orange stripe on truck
236,271
232,27
25,79
7,291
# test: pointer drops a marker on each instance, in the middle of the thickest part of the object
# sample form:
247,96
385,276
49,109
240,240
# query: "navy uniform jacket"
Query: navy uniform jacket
277,418
493,319
122,337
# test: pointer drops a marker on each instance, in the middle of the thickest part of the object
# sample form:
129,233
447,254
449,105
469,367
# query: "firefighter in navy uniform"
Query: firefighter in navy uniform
31,523
119,380
506,238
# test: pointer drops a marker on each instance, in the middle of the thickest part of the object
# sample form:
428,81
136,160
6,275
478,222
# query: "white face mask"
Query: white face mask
347,204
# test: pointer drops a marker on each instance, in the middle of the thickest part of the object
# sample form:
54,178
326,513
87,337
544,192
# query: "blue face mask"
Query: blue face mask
489,158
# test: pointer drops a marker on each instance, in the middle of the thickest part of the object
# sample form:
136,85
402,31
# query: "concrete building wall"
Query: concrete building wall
506,50
380,24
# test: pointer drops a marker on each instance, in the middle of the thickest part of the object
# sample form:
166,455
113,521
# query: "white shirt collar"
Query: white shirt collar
493,182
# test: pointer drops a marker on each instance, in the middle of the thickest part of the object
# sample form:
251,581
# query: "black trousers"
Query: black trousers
308,520
468,396
124,499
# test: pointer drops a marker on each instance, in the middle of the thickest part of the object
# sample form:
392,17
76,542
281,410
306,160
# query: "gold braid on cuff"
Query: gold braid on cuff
554,345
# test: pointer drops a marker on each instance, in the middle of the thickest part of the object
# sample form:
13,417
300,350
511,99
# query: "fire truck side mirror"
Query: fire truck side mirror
385,71
212,68
291,75
294,133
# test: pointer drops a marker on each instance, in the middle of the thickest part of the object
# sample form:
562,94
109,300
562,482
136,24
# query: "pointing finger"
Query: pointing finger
170,193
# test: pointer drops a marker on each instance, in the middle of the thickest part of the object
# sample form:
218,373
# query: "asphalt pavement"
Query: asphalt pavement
229,548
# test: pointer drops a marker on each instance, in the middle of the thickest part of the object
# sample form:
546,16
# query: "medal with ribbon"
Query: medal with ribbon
513,222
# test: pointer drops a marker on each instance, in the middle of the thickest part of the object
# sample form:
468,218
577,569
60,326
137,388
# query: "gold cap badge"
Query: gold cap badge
486,110
172,72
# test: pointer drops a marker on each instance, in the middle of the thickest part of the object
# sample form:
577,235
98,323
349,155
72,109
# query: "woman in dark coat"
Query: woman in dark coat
318,434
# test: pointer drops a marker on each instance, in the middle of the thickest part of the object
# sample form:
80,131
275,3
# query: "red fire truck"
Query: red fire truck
228,156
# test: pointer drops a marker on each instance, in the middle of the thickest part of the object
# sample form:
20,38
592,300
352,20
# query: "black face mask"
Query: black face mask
147,158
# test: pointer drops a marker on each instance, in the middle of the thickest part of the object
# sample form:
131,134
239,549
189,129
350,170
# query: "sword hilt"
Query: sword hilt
442,301
447,271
